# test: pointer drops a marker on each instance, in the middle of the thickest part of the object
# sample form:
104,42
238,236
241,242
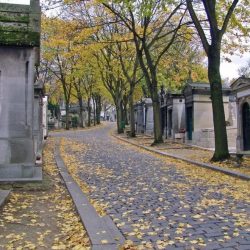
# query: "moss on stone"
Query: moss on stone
17,18
20,24
20,38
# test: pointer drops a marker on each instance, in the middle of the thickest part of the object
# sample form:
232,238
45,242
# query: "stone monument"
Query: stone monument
19,53
241,90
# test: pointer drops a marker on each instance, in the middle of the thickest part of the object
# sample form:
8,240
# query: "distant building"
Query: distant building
144,120
188,115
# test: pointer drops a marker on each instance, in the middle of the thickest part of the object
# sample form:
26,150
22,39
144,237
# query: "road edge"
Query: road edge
102,231
200,164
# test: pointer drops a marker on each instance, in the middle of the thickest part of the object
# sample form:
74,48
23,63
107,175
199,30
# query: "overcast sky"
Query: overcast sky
16,1
229,70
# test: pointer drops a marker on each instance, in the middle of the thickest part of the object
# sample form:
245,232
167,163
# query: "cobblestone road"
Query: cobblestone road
163,204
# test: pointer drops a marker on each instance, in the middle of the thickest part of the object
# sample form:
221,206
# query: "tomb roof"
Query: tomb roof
241,83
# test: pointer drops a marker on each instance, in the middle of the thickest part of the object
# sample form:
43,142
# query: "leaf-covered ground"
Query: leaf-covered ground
42,216
193,153
158,202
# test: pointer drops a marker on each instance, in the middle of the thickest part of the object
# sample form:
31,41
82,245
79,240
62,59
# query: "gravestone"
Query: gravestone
19,53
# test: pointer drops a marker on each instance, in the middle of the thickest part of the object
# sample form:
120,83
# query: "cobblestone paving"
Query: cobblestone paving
155,204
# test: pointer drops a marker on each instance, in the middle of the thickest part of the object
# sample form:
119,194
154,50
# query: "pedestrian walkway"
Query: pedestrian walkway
102,232
194,155
158,202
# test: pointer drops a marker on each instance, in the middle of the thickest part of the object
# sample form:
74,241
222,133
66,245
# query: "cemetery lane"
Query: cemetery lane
157,202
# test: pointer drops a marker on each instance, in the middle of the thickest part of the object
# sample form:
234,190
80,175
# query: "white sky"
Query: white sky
229,70
16,1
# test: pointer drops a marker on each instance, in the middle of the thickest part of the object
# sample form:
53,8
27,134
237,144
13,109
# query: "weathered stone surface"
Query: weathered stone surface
16,112
20,24
3,196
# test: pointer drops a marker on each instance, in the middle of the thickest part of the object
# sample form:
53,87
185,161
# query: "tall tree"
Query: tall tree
184,62
218,14
131,70
56,50
98,105
112,78
151,23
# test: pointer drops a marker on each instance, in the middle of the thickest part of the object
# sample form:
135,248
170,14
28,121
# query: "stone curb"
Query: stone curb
102,232
200,164
4,194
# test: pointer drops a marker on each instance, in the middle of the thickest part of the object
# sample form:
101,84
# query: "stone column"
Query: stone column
38,119
45,117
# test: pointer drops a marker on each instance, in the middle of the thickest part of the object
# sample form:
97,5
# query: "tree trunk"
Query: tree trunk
157,122
220,132
156,112
119,118
125,114
105,111
89,113
151,80
81,111
132,115
67,116
98,109
94,110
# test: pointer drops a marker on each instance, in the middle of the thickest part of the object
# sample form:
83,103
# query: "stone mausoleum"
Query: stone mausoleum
241,89
199,115
144,121
175,104
19,53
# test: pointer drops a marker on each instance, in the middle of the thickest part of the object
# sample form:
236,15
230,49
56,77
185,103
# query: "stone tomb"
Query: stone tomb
199,115
139,111
241,89
19,51
149,116
175,115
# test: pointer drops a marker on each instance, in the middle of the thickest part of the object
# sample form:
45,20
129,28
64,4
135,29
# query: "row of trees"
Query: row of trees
68,70
124,45
97,49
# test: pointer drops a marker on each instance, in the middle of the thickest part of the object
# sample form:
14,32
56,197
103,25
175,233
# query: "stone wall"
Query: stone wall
149,120
17,156
20,24
178,115
203,113
205,138
139,118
